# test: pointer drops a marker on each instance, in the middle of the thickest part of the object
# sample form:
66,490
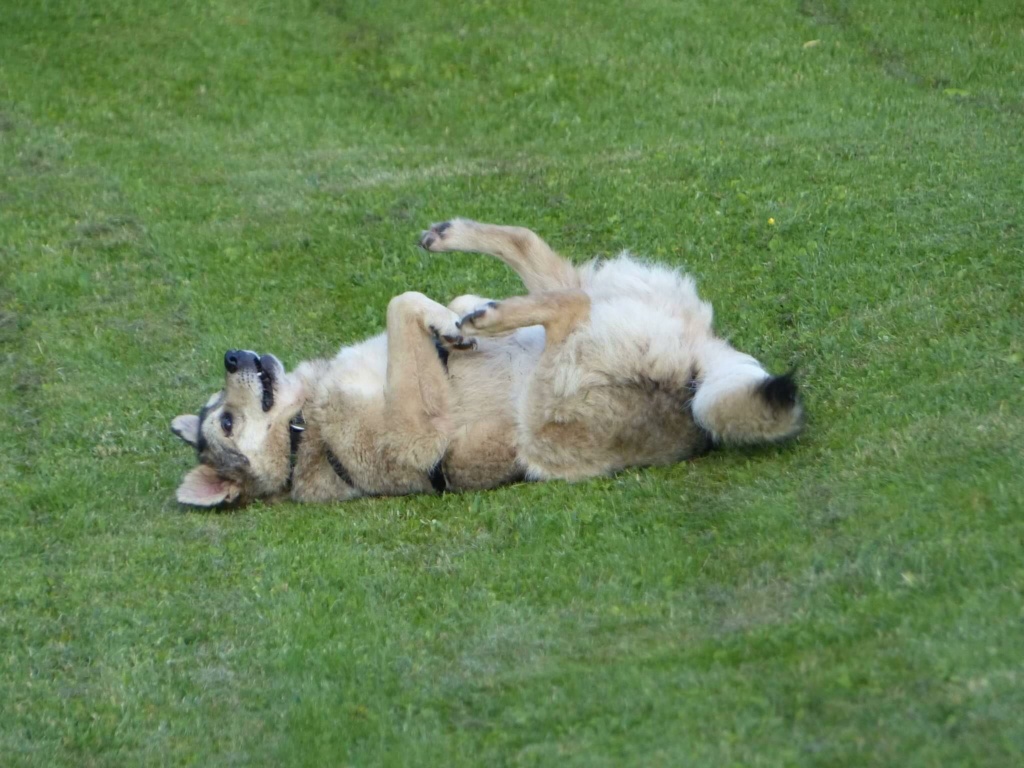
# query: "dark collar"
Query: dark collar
296,431
339,468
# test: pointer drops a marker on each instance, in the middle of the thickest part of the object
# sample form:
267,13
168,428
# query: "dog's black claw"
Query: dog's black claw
460,342
476,313
426,241
471,317
455,341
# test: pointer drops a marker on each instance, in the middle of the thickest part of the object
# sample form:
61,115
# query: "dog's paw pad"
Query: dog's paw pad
433,238
478,317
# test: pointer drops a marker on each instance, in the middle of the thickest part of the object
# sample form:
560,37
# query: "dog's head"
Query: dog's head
241,435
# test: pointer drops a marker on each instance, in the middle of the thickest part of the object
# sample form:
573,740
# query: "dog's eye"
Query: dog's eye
226,423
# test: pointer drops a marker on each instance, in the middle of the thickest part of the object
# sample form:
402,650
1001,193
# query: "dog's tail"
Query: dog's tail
738,402
540,268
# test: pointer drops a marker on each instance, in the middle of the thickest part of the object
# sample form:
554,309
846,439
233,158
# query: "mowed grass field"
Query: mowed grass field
845,179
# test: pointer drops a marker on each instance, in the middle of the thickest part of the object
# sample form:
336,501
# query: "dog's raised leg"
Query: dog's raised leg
359,443
416,393
560,312
562,431
540,268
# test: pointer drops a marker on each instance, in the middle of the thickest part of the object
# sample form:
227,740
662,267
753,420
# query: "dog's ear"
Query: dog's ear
203,487
186,427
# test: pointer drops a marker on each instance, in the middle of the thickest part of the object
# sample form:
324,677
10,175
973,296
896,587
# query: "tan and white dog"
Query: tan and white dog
599,367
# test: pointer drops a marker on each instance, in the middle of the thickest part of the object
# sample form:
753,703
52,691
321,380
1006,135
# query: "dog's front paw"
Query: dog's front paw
480,319
452,339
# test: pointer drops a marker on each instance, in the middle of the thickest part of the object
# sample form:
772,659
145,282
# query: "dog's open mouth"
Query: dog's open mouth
266,374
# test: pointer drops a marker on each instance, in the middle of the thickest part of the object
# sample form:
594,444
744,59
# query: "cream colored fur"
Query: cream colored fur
597,368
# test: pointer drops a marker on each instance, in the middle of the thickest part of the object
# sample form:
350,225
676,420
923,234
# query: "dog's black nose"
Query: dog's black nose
240,359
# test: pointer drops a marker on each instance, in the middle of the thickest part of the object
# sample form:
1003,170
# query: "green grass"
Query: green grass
176,179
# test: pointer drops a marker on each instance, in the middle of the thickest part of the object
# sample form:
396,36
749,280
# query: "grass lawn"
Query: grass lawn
844,178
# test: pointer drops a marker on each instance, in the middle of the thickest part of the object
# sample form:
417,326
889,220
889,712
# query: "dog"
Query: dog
598,367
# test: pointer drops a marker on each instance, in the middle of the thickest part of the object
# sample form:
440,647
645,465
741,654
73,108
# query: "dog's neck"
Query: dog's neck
318,450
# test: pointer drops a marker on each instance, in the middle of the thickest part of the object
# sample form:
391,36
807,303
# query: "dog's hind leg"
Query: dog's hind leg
540,268
555,435
739,402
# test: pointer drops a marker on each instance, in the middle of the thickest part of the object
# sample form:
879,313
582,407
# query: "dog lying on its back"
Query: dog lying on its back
599,367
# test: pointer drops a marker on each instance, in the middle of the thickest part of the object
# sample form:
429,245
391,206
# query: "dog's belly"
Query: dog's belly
482,455
485,386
